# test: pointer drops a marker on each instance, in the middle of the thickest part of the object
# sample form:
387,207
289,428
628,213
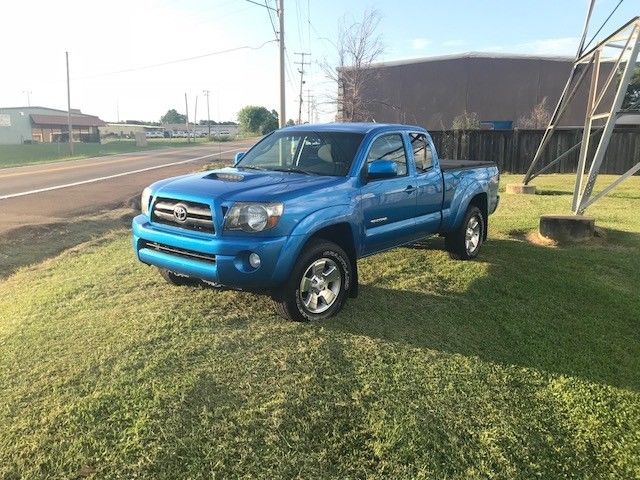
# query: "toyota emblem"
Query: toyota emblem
180,212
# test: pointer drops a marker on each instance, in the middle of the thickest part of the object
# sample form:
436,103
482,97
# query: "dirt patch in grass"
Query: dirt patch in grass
533,237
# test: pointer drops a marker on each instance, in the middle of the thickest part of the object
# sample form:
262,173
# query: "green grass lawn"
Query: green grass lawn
523,364
16,155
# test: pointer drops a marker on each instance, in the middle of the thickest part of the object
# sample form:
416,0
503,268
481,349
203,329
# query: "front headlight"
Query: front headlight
144,201
253,217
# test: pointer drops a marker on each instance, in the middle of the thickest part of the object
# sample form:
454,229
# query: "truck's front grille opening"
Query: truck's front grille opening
180,252
183,214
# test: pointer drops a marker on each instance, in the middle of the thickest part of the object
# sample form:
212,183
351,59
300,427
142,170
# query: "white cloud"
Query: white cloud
565,46
420,43
550,46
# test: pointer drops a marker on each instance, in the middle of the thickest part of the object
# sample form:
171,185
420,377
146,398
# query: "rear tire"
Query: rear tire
318,285
179,280
464,243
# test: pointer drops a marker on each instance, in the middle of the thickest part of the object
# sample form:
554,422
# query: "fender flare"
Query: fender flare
304,230
471,191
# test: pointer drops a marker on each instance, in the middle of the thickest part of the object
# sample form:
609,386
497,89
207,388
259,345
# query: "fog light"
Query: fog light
254,260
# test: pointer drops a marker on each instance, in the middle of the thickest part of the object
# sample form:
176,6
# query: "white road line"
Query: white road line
98,179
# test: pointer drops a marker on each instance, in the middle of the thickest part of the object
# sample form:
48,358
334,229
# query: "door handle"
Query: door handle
410,188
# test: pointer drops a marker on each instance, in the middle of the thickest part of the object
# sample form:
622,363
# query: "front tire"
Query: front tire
175,279
318,285
464,243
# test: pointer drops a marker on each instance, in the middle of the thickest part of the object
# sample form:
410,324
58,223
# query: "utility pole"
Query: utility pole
195,119
28,92
309,106
302,63
283,115
206,94
69,126
186,115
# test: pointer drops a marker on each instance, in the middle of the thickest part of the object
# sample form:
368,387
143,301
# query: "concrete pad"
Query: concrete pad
521,188
567,228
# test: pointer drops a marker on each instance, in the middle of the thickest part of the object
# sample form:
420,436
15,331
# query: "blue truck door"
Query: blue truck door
429,184
388,205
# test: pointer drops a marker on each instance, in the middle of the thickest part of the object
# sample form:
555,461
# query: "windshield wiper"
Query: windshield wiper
294,170
251,167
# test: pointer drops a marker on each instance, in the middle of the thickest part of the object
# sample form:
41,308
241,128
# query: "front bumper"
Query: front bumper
228,264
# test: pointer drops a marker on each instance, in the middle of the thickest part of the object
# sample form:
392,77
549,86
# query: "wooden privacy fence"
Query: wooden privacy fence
513,150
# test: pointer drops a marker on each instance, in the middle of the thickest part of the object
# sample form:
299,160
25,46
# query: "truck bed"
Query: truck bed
446,165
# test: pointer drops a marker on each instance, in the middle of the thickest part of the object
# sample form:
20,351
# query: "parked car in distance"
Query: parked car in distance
295,213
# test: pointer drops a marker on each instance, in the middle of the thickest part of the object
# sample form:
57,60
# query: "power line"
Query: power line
309,24
273,25
299,18
602,26
280,39
180,60
261,5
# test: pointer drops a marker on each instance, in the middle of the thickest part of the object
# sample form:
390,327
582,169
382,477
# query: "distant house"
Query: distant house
47,125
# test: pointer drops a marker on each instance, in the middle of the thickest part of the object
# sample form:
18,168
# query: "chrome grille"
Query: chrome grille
196,216
181,252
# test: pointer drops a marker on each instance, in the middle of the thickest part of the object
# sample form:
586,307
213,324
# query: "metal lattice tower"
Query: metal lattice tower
600,115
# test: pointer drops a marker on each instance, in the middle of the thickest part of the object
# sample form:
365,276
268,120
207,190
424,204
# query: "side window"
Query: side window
421,152
389,147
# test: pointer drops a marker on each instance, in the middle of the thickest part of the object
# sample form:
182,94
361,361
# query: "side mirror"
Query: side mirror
237,158
379,169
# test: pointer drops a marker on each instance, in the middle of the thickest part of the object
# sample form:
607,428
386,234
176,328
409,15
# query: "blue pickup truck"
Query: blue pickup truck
297,210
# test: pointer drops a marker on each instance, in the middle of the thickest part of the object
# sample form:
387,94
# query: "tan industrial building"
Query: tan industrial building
46,125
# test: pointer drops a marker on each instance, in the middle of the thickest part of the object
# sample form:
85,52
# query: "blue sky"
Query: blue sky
104,38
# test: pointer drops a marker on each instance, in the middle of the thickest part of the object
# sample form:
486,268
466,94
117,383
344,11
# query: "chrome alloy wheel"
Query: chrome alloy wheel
320,285
472,235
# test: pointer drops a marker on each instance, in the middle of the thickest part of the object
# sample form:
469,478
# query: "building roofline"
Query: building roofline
470,55
48,108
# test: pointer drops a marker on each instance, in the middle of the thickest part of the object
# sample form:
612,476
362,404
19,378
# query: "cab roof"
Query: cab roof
362,128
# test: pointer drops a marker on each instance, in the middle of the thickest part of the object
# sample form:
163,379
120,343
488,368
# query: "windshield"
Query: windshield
311,153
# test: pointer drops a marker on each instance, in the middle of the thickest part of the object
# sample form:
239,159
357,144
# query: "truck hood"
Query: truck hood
244,185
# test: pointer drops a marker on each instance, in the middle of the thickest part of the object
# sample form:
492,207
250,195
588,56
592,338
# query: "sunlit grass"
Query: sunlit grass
523,364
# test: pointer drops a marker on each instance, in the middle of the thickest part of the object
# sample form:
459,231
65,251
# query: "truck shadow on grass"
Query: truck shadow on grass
32,244
572,311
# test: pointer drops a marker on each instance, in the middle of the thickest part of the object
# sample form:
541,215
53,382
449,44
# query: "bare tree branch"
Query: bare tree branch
358,47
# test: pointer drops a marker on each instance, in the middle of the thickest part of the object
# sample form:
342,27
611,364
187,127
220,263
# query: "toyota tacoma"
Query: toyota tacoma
295,212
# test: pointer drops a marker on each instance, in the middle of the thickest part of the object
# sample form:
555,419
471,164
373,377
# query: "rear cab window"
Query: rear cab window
422,154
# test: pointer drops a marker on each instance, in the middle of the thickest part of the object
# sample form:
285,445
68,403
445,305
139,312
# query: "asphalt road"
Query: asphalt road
58,192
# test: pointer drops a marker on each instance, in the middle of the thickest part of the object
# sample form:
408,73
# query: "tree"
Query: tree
466,121
257,120
358,47
290,122
538,118
172,116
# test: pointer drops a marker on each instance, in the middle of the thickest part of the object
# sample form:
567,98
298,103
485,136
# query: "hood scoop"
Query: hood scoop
225,177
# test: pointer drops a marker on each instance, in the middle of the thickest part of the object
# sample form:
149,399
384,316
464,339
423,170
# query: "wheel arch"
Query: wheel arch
473,195
331,223
481,200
